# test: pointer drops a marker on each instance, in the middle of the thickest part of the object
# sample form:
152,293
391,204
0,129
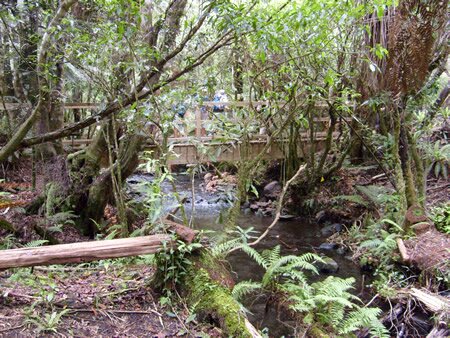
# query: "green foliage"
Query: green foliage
327,303
440,160
441,218
238,238
172,263
35,243
7,242
48,322
357,199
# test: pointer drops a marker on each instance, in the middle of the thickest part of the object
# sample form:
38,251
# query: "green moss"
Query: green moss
211,300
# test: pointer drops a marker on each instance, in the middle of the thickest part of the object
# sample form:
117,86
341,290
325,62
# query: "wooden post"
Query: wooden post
198,123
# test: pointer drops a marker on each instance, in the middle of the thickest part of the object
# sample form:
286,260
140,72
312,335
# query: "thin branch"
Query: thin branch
278,210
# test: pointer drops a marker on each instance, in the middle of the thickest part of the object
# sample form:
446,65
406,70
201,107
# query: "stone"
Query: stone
320,216
327,246
272,190
254,207
329,265
247,211
207,177
286,217
341,250
331,229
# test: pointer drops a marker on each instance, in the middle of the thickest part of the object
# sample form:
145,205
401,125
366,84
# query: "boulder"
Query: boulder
329,265
272,190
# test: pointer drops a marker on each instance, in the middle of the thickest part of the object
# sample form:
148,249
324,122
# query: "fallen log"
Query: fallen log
207,288
433,302
83,251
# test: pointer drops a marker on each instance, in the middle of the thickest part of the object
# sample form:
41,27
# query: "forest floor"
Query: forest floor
95,300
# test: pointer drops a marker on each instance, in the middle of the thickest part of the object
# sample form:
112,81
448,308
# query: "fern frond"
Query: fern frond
357,199
364,317
374,193
273,255
371,243
244,288
35,243
223,248
255,255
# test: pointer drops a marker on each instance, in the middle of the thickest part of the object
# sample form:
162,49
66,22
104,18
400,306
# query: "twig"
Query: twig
120,311
446,185
160,317
18,295
12,328
278,210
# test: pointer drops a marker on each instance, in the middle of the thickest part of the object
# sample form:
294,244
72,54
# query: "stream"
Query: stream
296,236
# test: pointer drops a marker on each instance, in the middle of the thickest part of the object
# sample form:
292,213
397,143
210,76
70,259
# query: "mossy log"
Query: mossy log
207,289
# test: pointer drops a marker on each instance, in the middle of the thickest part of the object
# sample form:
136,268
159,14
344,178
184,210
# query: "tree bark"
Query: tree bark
14,143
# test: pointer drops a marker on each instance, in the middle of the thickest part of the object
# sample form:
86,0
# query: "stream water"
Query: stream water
296,236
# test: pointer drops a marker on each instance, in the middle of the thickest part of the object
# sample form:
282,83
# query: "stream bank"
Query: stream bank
296,235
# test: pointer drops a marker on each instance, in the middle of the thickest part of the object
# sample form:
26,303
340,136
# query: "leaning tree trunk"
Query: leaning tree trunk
90,190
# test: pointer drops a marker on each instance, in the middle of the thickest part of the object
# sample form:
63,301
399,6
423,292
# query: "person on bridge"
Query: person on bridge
220,96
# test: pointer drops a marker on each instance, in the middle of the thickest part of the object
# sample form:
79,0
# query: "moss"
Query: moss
214,301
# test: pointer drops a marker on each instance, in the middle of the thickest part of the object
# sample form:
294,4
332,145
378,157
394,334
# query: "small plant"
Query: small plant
172,263
441,218
49,322
440,160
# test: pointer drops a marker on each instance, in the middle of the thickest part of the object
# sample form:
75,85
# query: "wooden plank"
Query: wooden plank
83,251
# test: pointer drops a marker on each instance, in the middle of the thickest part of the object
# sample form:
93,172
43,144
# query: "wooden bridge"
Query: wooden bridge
191,143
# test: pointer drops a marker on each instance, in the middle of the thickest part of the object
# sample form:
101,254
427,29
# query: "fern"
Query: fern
376,194
257,257
222,249
64,217
328,302
364,317
244,288
357,199
35,243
